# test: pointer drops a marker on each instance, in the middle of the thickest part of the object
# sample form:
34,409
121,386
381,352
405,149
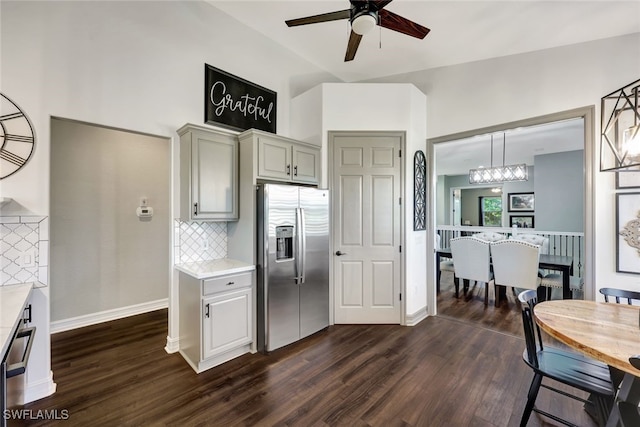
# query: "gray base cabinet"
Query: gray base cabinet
208,174
216,319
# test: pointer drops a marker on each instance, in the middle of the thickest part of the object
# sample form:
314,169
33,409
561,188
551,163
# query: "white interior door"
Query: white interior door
367,227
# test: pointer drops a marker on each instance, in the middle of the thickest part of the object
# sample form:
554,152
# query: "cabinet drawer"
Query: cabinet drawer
226,283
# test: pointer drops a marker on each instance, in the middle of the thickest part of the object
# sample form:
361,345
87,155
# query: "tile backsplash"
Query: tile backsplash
199,241
24,250
24,246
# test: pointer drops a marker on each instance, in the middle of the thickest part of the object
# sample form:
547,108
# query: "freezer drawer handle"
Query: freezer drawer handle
20,367
339,253
230,283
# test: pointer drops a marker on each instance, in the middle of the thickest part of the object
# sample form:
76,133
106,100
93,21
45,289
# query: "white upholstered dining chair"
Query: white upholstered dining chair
536,239
472,261
489,236
515,264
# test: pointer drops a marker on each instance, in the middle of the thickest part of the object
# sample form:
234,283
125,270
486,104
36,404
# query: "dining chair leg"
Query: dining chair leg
628,414
456,283
486,294
438,283
531,399
603,408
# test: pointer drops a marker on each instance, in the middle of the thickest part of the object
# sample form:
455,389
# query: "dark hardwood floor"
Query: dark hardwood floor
505,318
442,372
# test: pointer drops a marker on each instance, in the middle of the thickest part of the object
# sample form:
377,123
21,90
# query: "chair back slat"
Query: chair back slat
620,293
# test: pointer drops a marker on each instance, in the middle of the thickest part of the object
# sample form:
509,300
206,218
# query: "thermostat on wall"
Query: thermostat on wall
144,212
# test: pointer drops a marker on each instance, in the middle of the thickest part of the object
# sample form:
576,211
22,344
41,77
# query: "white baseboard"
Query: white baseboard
36,390
417,317
173,345
107,315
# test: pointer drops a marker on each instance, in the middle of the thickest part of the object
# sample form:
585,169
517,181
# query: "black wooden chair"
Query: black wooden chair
567,367
620,293
629,414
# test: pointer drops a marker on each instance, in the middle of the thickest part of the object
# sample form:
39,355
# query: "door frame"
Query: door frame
587,114
333,206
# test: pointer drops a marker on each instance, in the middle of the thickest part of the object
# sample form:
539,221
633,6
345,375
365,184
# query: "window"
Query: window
491,211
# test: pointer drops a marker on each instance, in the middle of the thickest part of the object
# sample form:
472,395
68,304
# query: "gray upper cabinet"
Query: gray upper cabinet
208,174
285,159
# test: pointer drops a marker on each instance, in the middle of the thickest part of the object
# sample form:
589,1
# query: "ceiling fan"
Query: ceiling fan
364,16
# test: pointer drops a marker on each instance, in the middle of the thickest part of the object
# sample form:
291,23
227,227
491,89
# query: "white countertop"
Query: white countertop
13,299
218,267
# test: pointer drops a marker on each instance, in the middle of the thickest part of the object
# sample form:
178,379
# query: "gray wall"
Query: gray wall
559,187
102,255
557,181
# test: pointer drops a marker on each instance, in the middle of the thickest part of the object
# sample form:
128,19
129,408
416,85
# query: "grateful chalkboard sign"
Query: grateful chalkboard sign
238,104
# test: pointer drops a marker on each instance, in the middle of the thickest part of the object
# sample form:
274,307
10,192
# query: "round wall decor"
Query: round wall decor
17,139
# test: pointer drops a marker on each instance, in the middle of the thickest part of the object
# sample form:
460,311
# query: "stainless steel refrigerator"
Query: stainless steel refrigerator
293,263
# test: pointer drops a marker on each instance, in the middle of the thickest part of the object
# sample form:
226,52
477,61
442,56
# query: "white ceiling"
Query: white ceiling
461,31
457,157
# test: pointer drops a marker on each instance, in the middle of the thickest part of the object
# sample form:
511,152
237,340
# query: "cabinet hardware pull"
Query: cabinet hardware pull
288,169
230,283
206,310
295,171
195,208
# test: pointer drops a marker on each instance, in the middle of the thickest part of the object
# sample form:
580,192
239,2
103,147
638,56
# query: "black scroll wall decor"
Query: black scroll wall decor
420,191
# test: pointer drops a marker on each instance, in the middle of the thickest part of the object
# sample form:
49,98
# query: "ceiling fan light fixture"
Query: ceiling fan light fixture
364,22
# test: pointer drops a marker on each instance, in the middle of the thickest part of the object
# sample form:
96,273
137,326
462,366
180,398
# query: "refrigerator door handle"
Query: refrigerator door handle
297,265
303,247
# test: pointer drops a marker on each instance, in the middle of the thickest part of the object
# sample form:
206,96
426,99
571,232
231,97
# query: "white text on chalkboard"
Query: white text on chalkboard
247,105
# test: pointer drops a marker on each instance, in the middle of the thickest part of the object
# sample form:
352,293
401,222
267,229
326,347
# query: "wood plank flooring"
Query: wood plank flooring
442,372
505,318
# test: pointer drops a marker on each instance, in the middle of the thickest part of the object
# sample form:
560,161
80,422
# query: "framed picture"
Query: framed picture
627,180
522,221
628,233
521,202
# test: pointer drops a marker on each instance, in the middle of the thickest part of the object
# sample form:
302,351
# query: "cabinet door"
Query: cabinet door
306,164
274,159
214,178
227,322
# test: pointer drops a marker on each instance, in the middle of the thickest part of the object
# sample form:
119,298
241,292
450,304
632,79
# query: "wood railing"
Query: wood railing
563,243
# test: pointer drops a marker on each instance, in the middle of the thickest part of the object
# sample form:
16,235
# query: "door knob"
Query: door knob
340,253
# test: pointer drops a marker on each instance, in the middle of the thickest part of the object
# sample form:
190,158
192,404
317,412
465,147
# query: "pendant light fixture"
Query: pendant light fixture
620,128
504,173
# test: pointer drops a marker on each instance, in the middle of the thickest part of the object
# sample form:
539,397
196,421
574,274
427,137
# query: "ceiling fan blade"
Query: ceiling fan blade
352,46
380,3
402,25
324,17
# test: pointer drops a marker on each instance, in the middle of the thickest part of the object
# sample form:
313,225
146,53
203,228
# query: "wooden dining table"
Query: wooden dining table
606,332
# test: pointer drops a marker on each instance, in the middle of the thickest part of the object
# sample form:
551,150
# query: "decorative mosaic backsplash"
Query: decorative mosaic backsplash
199,241
24,250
